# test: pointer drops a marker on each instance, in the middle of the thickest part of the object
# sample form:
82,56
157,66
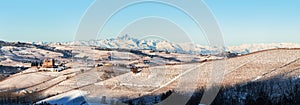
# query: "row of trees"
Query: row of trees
12,98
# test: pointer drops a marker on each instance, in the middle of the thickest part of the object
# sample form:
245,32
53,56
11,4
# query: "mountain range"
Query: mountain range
128,42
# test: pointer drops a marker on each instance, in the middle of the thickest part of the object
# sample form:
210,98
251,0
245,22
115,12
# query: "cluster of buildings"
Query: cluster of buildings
48,65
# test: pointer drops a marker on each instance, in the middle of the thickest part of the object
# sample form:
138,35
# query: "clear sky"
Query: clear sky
40,20
241,21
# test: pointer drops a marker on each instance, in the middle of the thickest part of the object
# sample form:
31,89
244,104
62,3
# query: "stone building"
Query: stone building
48,63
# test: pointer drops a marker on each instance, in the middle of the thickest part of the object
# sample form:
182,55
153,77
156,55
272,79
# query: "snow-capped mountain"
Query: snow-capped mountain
128,42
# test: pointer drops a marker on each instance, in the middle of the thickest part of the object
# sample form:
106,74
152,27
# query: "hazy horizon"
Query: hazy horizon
157,39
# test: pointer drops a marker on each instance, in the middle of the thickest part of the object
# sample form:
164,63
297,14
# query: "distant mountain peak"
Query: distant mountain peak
125,37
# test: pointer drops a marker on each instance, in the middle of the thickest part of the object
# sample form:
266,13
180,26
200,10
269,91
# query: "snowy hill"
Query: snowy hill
248,48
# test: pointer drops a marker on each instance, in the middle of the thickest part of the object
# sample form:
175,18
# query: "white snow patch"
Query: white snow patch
74,97
257,78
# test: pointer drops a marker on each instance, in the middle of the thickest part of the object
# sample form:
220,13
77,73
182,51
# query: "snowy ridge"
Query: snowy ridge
249,48
128,42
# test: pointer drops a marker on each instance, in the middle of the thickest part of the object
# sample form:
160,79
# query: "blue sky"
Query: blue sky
257,21
241,21
40,20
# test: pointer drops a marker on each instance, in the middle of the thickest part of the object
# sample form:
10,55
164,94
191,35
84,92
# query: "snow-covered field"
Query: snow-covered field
23,81
185,72
238,70
70,98
22,56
